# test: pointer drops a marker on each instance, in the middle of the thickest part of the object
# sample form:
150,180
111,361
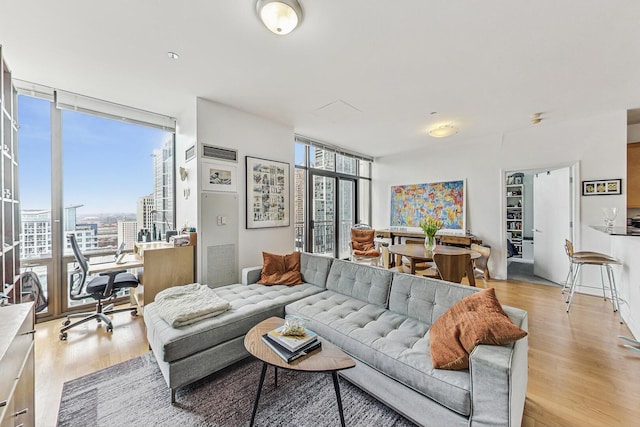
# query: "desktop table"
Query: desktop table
130,261
158,265
418,253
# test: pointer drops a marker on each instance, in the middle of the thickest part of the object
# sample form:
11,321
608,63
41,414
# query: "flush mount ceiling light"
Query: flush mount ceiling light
172,55
279,16
443,131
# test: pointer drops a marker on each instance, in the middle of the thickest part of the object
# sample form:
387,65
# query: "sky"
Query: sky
107,164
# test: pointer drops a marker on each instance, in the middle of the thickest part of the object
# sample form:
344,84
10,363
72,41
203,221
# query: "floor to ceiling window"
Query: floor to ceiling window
333,192
98,170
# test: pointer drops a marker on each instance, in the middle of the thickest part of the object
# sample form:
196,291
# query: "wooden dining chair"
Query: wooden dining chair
452,267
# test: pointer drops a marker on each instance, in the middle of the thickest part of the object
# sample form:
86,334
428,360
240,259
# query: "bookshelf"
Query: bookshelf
515,211
10,221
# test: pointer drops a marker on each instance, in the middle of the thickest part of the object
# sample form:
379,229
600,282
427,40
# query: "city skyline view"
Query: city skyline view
108,164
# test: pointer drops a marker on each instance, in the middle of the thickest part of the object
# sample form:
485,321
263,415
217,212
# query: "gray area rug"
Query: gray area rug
134,393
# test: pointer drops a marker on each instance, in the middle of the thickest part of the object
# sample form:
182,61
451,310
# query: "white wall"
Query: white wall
633,133
186,208
598,143
224,126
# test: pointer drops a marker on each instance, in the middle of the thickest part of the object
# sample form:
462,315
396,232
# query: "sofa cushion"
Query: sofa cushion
476,319
359,281
249,305
390,342
315,268
280,269
423,298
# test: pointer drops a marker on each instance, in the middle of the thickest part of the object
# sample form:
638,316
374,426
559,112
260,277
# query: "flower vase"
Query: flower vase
430,243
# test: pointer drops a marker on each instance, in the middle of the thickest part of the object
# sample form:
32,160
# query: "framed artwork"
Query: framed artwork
441,200
219,177
267,193
602,187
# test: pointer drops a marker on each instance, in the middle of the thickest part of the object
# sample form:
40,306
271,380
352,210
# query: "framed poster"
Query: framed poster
602,187
267,193
444,201
219,177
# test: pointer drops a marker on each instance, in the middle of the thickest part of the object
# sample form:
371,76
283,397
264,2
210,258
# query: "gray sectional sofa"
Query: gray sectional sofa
381,319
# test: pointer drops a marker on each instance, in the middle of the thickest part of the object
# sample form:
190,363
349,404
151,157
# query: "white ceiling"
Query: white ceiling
384,66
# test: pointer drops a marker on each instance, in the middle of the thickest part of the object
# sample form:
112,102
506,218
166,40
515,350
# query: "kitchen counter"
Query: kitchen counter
618,231
628,276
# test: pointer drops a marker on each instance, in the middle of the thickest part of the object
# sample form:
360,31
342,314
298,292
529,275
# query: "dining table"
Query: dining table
418,253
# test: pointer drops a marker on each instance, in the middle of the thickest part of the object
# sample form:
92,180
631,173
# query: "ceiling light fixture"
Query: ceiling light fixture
443,131
173,55
279,16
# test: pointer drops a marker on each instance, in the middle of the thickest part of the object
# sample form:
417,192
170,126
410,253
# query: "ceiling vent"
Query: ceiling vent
219,153
189,153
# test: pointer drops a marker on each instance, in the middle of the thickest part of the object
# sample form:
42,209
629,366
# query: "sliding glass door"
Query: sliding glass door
332,193
333,202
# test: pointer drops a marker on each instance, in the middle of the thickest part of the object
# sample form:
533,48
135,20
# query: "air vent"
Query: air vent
190,153
219,153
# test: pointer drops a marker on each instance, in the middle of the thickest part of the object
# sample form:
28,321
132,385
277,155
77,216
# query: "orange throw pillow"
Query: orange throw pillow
280,269
476,319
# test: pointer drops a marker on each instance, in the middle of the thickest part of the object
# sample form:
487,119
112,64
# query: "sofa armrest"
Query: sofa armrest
251,274
499,377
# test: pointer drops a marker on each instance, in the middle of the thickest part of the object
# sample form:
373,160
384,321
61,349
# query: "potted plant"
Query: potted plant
430,227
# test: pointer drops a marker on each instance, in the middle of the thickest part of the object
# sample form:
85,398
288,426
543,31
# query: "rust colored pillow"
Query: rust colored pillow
476,319
280,269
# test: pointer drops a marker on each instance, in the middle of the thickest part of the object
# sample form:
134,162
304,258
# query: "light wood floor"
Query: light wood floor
579,373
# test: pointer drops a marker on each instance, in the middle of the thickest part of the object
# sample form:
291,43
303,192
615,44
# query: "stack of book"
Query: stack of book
291,347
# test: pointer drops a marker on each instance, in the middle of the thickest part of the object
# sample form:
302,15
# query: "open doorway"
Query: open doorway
539,214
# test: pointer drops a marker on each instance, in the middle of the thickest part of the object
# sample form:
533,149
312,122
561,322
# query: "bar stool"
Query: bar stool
568,248
577,260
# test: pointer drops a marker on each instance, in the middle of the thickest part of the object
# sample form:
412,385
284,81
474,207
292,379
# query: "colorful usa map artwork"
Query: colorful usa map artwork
441,200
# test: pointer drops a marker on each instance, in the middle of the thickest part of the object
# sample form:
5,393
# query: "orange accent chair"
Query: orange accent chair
363,246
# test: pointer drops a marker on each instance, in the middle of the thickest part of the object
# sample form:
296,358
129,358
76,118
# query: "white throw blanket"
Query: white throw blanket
183,305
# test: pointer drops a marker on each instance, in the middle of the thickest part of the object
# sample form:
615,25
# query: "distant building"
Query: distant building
163,187
86,236
127,233
144,214
35,233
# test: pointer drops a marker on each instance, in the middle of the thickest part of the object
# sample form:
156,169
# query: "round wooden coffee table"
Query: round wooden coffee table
328,358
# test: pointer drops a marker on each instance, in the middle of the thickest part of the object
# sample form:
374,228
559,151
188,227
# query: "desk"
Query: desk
418,253
163,266
130,261
443,239
158,266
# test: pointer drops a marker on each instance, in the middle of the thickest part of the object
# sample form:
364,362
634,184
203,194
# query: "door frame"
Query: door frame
574,168
338,177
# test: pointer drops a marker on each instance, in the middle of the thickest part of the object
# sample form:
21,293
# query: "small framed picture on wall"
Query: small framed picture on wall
602,187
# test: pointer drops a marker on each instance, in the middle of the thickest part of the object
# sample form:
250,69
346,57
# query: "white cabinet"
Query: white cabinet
515,209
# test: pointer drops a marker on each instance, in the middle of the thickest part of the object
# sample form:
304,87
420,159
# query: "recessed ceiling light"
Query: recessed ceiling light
443,131
173,55
536,118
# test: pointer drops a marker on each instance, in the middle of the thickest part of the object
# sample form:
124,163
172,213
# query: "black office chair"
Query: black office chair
102,287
